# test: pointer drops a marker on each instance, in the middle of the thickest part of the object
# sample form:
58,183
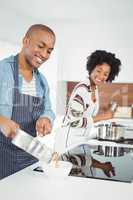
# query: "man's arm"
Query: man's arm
45,122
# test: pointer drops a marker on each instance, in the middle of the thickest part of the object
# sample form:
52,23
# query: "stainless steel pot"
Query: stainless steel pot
110,131
22,139
112,151
32,146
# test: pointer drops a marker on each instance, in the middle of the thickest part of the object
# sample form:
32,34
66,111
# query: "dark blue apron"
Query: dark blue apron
26,110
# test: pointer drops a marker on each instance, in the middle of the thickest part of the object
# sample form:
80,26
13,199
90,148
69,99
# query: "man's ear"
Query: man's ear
26,41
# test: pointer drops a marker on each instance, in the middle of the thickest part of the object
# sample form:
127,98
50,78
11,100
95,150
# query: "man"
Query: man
24,97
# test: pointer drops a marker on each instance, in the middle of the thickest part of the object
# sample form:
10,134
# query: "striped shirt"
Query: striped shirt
81,108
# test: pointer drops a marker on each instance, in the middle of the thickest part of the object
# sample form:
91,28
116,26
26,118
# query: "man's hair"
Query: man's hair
37,27
100,57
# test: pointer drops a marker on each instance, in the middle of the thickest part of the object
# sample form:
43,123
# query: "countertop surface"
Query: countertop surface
28,184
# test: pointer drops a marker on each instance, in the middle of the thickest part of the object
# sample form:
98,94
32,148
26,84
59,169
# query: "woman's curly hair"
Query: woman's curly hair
99,57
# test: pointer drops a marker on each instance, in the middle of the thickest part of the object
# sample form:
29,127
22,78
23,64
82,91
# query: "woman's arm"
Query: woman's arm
76,108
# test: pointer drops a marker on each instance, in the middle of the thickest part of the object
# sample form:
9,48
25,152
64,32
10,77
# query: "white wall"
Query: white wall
103,25
7,49
108,28
82,39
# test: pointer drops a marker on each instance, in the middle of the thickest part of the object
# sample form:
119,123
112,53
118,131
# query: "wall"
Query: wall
110,29
105,26
82,39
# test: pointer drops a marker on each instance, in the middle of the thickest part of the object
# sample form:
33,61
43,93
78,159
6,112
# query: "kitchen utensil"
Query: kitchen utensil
121,140
22,139
112,151
110,131
113,106
32,145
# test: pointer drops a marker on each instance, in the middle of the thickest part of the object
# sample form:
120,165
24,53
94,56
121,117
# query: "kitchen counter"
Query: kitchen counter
28,184
120,154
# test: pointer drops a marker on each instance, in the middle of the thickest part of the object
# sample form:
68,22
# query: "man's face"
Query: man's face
38,47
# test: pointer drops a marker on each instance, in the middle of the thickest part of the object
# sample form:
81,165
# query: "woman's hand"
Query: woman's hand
8,127
43,126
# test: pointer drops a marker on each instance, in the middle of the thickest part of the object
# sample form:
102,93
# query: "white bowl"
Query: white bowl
62,170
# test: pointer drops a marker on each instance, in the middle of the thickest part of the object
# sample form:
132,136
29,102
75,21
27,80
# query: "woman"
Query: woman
82,109
83,105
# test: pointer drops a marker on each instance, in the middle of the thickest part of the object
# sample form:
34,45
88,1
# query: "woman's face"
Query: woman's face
100,74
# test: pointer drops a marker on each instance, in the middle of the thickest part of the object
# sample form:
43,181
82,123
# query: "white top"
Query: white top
78,121
77,125
81,108
29,88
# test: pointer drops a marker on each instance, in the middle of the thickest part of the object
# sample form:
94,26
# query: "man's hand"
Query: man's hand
43,126
8,127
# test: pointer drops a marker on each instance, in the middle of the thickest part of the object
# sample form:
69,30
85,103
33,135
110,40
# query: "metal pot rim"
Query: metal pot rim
108,125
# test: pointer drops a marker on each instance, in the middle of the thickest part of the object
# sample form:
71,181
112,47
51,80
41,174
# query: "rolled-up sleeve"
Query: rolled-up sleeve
48,112
76,112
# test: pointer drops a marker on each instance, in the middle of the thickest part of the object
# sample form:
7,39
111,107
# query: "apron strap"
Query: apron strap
14,67
41,82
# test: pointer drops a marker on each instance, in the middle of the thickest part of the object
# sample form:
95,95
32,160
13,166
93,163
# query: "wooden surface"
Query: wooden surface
122,93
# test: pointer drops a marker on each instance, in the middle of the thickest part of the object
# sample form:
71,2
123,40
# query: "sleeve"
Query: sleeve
1,75
48,112
76,114
6,86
